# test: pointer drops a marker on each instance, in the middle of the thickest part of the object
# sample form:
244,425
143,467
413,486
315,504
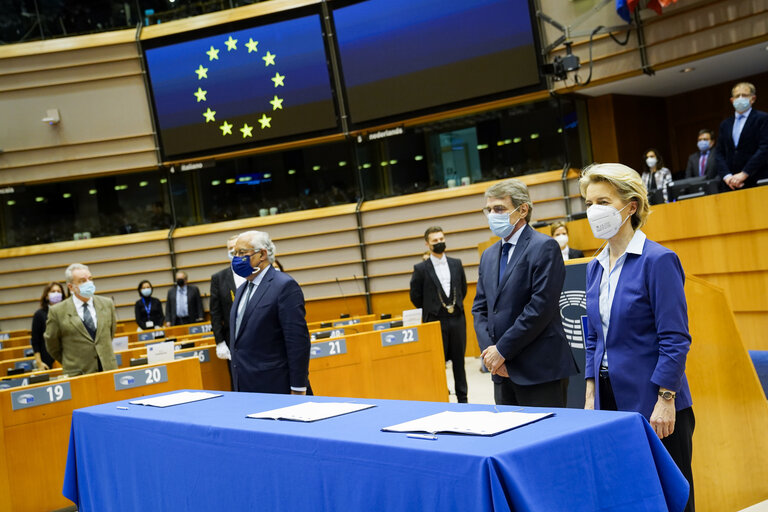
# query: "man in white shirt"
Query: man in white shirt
438,287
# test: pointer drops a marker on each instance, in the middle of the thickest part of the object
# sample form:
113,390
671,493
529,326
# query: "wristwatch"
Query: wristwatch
667,395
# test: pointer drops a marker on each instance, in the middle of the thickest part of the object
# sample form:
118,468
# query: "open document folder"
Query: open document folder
477,423
310,411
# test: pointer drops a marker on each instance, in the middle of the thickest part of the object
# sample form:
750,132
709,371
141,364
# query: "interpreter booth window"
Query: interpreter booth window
82,209
265,184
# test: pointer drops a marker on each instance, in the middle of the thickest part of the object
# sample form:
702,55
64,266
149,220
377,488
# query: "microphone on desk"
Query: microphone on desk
343,296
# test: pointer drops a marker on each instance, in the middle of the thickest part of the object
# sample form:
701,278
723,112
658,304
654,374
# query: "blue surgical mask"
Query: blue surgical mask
87,289
146,292
741,104
241,265
703,145
499,223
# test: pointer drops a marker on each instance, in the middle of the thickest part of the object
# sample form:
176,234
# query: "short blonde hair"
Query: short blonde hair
749,86
557,225
627,183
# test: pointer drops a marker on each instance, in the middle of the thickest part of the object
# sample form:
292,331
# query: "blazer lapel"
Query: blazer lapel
494,254
627,272
520,247
258,294
433,274
101,316
76,321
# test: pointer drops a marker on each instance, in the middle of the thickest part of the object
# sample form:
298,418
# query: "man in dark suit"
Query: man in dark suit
183,304
516,309
224,283
269,339
742,148
703,162
79,330
438,287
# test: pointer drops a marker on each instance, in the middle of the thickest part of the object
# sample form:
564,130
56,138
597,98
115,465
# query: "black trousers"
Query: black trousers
547,394
183,320
454,330
679,444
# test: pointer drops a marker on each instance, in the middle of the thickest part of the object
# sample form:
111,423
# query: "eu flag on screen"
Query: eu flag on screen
241,87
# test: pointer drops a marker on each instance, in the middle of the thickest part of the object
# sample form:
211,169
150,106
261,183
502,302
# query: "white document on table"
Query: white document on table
182,397
160,352
310,411
479,423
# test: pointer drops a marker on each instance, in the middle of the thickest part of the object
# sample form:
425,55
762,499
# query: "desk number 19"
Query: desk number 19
55,393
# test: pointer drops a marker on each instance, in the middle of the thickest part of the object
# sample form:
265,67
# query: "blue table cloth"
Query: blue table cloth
208,456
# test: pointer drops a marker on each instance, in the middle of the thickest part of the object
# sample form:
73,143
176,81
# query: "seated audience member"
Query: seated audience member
183,304
742,149
148,311
655,176
53,293
703,162
559,232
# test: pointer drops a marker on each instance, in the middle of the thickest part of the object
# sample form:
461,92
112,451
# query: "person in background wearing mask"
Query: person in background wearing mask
703,162
148,311
183,304
742,153
655,176
53,293
79,330
516,308
268,335
559,232
224,284
638,340
438,287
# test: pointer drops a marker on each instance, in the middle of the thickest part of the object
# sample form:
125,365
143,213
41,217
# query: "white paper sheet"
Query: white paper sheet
411,317
182,397
479,423
310,411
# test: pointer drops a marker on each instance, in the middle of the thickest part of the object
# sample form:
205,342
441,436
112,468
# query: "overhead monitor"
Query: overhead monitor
400,57
235,87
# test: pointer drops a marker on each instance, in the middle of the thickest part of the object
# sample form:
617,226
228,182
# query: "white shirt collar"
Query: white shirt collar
438,261
635,246
260,276
79,303
514,238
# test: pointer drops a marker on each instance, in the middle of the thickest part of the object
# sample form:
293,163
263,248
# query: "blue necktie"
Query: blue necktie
503,261
737,127
244,304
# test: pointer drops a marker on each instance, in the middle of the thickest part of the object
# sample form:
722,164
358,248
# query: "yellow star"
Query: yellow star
200,95
269,58
246,130
213,54
226,129
264,121
277,103
278,79
252,45
201,72
231,44
210,115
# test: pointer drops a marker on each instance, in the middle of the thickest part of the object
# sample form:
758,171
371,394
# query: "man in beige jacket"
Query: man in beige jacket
79,330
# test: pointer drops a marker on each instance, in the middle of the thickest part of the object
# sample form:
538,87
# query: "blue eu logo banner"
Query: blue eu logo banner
242,86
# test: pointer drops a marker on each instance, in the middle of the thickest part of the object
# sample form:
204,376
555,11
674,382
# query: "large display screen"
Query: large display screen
237,89
400,56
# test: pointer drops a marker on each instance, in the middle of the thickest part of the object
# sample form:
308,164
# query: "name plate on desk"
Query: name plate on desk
203,355
5,336
328,348
333,333
146,336
1,344
346,322
14,383
26,365
399,337
199,329
141,377
381,326
26,398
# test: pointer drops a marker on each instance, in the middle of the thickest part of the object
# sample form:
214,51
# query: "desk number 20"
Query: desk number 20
55,393
153,375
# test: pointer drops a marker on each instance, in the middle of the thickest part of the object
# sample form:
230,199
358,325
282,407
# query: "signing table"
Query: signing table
208,456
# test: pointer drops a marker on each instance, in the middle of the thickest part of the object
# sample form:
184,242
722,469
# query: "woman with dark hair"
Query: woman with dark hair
655,176
53,293
148,311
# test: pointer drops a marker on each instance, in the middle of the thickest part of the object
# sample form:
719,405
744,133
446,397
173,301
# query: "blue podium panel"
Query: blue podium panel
208,456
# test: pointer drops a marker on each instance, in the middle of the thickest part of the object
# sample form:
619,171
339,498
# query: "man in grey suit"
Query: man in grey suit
516,308
703,162
79,330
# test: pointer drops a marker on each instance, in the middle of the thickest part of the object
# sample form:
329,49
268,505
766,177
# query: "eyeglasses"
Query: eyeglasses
496,209
241,253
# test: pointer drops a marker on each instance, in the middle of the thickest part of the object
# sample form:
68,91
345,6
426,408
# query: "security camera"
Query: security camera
562,65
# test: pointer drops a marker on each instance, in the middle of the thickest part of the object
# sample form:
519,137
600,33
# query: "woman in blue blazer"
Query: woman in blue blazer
638,339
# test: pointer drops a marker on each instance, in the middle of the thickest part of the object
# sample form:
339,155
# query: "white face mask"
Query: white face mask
605,221
562,240
651,161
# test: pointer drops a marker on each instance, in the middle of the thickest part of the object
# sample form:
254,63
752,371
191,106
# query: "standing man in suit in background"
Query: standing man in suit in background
703,162
268,338
183,304
224,284
79,330
438,287
742,149
516,308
